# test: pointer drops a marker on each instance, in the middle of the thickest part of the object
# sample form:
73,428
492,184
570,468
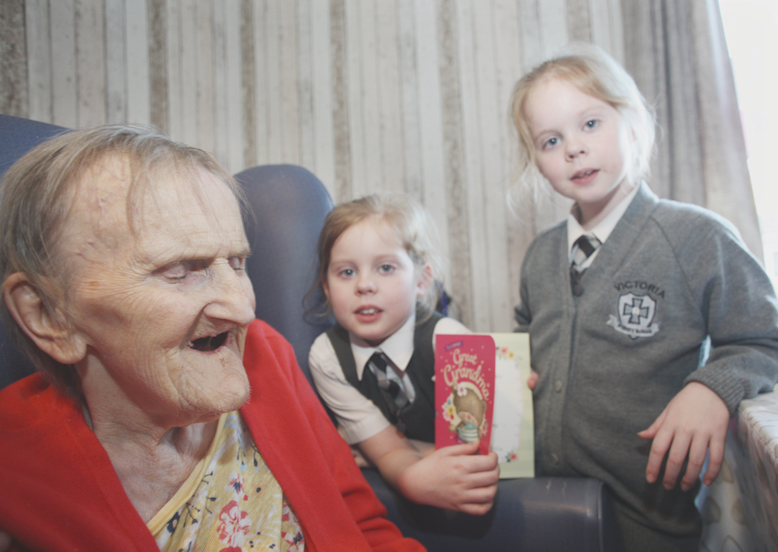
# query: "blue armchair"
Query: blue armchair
289,205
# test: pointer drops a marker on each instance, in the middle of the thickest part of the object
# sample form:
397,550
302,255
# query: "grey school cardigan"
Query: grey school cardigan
668,277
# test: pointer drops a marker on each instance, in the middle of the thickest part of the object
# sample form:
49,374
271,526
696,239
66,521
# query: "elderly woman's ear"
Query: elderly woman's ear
47,329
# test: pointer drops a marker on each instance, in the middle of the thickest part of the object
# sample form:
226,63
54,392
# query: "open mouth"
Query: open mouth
584,174
368,311
209,343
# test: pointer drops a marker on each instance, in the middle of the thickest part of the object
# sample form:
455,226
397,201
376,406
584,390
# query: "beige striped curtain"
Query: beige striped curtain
382,95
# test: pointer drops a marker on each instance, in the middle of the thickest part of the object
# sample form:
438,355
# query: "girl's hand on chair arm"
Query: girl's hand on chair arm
694,422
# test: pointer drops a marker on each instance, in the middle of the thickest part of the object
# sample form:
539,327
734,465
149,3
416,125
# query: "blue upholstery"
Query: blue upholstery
17,136
532,515
289,205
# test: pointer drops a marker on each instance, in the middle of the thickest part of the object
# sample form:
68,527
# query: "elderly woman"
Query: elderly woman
163,416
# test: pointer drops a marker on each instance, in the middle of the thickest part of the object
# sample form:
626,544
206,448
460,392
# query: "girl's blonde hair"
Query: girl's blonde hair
411,222
593,72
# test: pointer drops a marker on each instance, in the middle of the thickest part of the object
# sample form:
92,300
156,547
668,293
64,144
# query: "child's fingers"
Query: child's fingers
480,495
675,459
477,509
460,450
461,459
651,431
484,463
698,450
478,501
484,480
480,471
715,460
659,447
477,463
656,456
533,378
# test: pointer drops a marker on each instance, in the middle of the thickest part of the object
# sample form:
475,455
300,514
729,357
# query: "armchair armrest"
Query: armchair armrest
756,471
740,509
544,513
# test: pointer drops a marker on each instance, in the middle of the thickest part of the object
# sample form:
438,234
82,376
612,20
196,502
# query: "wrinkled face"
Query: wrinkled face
372,283
582,146
163,312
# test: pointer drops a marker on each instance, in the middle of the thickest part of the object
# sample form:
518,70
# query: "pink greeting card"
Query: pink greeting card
464,389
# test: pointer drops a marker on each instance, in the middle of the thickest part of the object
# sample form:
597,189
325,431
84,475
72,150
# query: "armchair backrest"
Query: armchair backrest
17,136
288,206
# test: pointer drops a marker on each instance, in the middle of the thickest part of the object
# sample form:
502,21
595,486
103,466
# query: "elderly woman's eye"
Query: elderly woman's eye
178,271
238,264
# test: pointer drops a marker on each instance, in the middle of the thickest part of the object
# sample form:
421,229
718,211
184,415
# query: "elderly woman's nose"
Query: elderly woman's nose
233,296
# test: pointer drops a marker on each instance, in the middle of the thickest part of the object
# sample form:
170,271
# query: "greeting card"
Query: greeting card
513,435
481,393
464,389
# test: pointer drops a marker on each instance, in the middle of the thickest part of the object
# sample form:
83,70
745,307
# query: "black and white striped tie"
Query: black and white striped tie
380,362
583,248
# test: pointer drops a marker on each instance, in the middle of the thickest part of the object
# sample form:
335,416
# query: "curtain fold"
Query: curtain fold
677,53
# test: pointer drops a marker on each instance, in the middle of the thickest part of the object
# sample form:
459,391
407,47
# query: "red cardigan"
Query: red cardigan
58,489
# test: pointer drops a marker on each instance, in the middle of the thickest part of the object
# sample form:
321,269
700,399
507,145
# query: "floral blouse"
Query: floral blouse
230,503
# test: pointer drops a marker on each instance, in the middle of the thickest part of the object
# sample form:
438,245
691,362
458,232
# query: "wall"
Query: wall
368,94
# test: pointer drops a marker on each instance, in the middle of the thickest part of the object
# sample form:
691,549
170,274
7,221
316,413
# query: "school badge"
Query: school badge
636,316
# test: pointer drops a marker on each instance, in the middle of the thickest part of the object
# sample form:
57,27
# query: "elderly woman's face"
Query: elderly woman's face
163,312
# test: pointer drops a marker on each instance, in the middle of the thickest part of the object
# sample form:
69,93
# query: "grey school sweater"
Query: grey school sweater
668,277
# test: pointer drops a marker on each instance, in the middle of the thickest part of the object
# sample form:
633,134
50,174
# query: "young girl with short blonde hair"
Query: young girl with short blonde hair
375,367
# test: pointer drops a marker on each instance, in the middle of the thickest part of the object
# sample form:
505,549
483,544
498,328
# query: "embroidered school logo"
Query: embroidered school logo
636,316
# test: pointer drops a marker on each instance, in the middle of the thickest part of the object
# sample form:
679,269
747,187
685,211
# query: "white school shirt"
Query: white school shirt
601,231
358,417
